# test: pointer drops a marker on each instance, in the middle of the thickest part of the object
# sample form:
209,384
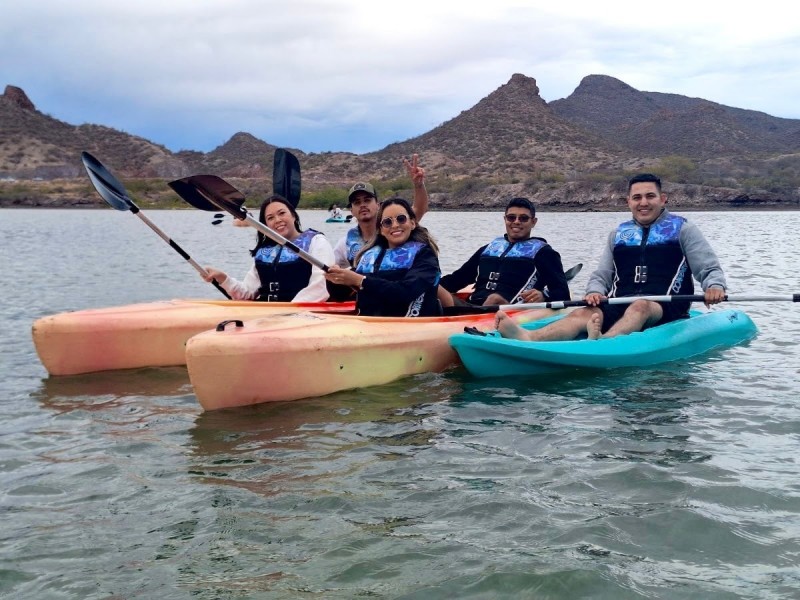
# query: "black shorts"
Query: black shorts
672,312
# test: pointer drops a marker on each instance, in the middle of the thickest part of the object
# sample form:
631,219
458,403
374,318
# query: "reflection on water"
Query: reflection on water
166,381
674,482
270,446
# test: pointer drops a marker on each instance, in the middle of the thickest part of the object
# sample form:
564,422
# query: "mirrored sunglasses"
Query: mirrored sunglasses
401,220
520,218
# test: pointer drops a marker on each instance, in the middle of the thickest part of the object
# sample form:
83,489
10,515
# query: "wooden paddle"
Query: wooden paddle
113,192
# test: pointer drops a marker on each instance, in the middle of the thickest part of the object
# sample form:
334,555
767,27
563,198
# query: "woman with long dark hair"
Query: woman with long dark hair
278,274
397,272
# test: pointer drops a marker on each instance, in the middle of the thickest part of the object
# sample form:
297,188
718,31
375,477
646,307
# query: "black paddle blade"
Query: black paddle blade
570,274
212,193
216,221
286,176
108,186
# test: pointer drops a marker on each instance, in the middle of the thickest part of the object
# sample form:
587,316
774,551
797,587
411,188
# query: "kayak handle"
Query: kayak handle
221,326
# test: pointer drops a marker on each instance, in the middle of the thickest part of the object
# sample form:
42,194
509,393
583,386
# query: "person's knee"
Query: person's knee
644,310
641,307
584,313
445,297
494,300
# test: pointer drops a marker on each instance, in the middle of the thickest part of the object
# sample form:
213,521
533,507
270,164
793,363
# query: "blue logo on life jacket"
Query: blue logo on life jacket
668,229
524,249
268,254
354,243
393,260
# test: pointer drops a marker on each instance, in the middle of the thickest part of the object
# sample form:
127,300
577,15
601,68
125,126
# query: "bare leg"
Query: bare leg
445,297
507,328
594,326
568,328
494,300
637,316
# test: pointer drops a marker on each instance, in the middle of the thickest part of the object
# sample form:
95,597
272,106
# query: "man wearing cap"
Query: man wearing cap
362,201
515,267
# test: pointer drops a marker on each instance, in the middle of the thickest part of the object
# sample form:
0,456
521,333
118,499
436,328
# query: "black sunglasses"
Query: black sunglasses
520,218
401,220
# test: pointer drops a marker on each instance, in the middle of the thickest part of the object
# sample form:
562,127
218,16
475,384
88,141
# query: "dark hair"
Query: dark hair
418,234
261,239
644,178
522,203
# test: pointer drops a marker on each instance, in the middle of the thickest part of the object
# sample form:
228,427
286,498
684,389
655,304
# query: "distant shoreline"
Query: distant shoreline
540,208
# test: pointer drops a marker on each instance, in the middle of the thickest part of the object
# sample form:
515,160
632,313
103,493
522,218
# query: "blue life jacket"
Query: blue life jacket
507,268
354,242
282,272
648,260
395,264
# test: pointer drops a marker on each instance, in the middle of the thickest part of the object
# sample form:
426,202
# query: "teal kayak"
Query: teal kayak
492,355
335,220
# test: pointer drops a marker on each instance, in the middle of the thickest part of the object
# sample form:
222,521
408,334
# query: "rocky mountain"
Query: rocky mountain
510,133
33,144
570,152
658,124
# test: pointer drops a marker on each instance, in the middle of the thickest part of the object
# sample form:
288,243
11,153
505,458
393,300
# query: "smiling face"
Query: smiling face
395,232
279,217
364,207
646,202
519,223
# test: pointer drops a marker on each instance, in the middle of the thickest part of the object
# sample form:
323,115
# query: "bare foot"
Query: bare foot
594,326
508,328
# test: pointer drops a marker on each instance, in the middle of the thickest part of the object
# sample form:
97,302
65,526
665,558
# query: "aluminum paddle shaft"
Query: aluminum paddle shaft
113,192
632,299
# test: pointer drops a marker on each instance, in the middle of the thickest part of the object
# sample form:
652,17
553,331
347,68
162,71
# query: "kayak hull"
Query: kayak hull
310,354
150,334
332,220
493,356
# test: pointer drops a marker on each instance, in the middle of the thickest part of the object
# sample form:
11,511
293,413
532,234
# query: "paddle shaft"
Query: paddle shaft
180,251
113,192
632,299
279,239
135,210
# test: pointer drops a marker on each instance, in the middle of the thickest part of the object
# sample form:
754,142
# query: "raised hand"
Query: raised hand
415,172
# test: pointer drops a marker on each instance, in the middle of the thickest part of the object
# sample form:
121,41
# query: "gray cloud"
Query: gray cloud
351,75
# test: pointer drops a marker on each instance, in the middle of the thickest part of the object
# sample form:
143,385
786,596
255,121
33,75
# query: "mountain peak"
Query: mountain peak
18,97
520,88
603,85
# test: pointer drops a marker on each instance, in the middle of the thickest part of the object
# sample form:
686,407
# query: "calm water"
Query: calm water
679,482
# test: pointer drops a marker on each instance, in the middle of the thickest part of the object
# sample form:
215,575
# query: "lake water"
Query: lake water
675,482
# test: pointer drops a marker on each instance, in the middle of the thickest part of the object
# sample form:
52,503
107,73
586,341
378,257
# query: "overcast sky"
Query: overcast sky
356,75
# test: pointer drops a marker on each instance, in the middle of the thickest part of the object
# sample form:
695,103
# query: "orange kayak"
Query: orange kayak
312,354
150,334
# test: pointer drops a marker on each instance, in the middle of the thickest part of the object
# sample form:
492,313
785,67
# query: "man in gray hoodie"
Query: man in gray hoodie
655,253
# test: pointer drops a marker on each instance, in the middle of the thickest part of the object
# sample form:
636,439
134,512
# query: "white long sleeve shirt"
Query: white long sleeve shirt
316,290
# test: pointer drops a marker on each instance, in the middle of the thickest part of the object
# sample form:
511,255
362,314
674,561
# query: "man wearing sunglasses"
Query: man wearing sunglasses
513,268
656,253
